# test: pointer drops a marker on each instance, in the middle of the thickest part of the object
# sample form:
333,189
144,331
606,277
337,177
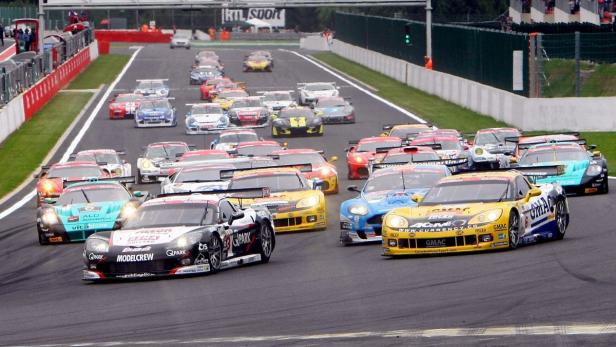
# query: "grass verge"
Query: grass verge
442,113
102,71
597,79
24,150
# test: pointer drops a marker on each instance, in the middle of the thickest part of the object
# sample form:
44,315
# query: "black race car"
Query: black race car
298,120
182,234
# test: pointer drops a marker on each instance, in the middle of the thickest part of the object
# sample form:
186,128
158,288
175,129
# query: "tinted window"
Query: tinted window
406,180
494,137
89,195
258,150
276,183
169,152
109,158
468,192
277,97
237,138
316,159
171,215
203,174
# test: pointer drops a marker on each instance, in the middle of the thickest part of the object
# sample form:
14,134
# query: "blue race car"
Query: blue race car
155,112
205,118
85,208
585,171
387,188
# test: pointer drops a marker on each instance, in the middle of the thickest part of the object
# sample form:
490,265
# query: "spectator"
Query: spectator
27,39
2,35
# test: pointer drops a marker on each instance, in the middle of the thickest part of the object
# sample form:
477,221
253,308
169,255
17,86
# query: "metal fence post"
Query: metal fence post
578,77
540,72
532,65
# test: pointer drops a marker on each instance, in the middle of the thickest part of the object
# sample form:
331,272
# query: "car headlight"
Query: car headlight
188,239
307,202
97,245
127,211
163,91
397,222
50,217
359,210
478,151
48,187
147,164
594,170
190,121
487,216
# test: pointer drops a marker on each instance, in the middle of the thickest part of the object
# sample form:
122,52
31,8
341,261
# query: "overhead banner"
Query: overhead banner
273,16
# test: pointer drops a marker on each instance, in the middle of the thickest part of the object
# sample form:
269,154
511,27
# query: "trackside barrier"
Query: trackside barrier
21,108
132,36
549,114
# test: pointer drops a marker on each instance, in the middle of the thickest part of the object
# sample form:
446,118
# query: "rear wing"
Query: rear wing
524,146
245,193
119,152
452,164
154,80
541,171
303,84
274,91
123,180
409,149
228,174
391,126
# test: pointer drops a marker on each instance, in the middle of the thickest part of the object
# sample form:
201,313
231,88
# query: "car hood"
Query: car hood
393,198
149,236
206,118
444,217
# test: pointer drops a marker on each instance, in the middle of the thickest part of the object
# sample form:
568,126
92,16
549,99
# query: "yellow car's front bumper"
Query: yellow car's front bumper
308,219
257,67
490,237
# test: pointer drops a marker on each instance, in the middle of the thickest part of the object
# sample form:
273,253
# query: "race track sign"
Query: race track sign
274,16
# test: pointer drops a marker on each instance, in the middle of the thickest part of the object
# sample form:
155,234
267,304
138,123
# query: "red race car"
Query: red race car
52,178
257,148
124,106
447,146
322,168
210,85
361,152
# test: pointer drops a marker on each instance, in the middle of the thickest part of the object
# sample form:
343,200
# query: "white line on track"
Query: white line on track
506,331
369,93
78,137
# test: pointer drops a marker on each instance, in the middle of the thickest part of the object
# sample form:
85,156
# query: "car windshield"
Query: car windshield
206,109
297,112
74,171
475,191
319,87
166,215
334,102
258,150
277,97
154,104
372,146
198,175
257,58
246,103
403,180
238,137
315,159
404,133
276,182
552,155
201,157
167,151
203,54
494,138
109,158
90,195
127,98
408,157
233,94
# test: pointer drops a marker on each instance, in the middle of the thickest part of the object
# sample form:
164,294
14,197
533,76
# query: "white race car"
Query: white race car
229,139
200,178
308,93
205,118
277,100
108,159
490,148
155,87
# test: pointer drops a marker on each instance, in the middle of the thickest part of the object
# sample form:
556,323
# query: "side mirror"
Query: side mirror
354,189
596,154
49,201
138,194
417,198
333,159
534,192
235,216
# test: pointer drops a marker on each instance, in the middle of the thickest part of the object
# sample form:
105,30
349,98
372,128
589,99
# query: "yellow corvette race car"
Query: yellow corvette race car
478,212
226,97
293,201
258,62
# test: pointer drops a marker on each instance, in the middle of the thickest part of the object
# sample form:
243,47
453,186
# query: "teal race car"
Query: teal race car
585,172
86,207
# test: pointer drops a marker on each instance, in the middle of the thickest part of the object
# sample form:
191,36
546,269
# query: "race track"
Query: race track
312,285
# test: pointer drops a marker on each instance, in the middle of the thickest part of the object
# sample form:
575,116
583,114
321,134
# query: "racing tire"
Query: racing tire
139,178
561,219
513,231
605,187
41,239
266,242
214,253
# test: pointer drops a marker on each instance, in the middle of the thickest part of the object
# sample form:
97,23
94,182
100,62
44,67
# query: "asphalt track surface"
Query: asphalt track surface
312,285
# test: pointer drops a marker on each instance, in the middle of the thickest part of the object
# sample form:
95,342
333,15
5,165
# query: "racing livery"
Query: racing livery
108,159
229,139
294,204
201,178
308,93
208,86
85,208
155,113
124,106
206,55
257,148
257,62
490,148
299,120
477,212
51,179
156,88
205,118
585,172
335,110
156,154
276,100
180,235
202,73
361,152
386,189
322,169
408,154
248,112
225,97
448,146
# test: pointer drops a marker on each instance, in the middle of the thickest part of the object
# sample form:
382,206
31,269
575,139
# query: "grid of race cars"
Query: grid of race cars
426,190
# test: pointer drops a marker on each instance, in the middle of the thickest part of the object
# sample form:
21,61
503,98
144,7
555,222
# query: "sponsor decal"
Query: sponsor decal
439,226
93,256
241,239
176,252
193,269
125,258
436,243
500,227
136,275
136,249
89,208
500,244
439,216
201,259
55,239
540,207
501,236
202,247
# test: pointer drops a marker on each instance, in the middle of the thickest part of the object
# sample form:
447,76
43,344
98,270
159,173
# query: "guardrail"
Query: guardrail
25,69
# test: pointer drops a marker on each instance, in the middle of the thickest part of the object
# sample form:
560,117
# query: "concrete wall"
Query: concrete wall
314,43
555,114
